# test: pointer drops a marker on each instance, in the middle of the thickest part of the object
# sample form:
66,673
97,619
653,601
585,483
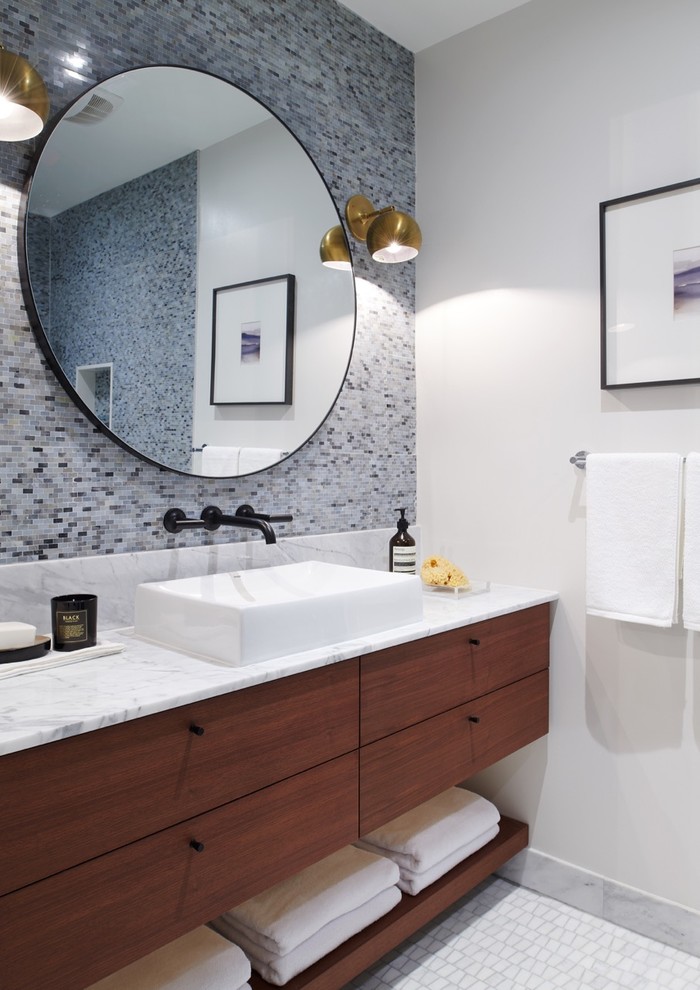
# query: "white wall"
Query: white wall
524,125
263,210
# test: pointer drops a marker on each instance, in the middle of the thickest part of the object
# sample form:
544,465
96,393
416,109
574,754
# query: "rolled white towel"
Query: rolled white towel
201,959
413,883
279,969
281,918
427,834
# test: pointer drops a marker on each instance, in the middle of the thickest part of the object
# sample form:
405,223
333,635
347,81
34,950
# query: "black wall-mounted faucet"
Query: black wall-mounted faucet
212,518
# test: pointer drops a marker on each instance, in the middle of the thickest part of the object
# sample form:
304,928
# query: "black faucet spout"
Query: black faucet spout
175,521
213,517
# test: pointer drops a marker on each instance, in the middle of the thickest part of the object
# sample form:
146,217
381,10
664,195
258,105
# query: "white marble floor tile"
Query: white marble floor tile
511,938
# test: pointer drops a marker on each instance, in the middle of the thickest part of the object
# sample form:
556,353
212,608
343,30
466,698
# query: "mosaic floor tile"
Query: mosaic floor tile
507,937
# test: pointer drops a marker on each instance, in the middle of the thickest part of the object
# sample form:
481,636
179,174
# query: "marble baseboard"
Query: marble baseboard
26,589
664,921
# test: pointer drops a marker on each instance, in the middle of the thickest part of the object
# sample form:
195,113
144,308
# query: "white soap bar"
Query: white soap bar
15,635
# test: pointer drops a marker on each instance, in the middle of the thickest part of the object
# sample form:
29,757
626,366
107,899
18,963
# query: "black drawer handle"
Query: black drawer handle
197,730
475,642
197,846
473,718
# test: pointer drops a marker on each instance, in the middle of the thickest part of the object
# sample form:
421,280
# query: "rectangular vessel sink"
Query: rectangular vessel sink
245,617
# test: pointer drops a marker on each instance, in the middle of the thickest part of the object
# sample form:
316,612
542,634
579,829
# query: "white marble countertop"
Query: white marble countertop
42,706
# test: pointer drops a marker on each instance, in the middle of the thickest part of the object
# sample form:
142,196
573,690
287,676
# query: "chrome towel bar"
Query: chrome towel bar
579,459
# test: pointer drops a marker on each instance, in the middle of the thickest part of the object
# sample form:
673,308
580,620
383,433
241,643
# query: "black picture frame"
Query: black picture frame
252,348
650,287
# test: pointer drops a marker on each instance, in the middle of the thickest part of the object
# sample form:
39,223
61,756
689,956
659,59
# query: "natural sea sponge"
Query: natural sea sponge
440,571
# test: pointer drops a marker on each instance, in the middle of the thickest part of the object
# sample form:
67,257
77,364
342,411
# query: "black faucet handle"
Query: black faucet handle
175,520
211,518
249,513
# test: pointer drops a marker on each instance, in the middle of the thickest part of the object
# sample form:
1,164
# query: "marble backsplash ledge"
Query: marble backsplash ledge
26,589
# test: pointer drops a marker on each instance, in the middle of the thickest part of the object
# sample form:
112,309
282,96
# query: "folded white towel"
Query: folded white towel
632,529
287,914
279,969
201,959
691,549
412,882
57,659
220,462
257,458
424,836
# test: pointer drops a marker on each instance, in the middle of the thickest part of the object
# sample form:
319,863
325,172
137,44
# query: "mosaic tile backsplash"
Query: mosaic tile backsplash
116,262
66,489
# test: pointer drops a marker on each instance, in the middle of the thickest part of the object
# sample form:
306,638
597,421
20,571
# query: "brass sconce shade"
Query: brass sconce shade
24,101
391,236
334,249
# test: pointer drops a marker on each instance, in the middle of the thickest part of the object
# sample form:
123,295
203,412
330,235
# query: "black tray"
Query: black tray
41,645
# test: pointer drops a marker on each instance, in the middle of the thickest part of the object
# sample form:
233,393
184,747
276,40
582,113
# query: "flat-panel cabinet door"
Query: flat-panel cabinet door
406,684
71,800
68,931
403,770
506,720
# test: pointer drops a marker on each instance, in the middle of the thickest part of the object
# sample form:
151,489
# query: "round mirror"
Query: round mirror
171,267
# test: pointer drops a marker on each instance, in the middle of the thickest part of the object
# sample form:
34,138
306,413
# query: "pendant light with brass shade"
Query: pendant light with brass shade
391,236
24,100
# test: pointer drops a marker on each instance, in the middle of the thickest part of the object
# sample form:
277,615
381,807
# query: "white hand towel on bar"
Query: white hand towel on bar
220,462
256,458
632,536
691,550
287,914
279,969
201,959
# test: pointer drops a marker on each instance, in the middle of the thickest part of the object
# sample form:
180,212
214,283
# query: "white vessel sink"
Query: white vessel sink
245,617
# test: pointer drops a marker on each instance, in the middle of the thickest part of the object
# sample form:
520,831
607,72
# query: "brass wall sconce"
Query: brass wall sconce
24,100
391,236
334,250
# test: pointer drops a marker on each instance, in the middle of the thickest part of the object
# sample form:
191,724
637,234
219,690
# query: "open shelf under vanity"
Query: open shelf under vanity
368,946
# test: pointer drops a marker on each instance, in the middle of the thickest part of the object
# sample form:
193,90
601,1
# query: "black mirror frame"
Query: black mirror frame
35,319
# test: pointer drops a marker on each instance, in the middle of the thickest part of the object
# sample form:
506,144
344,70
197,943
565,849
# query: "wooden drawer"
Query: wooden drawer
404,769
508,719
406,684
65,932
69,801
401,771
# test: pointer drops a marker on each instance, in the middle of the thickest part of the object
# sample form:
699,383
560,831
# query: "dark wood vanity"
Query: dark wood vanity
120,840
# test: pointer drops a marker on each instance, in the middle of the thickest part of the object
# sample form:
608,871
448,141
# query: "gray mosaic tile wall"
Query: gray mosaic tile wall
119,262
347,92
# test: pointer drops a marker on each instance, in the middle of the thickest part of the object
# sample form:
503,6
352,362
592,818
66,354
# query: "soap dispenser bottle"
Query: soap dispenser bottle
402,548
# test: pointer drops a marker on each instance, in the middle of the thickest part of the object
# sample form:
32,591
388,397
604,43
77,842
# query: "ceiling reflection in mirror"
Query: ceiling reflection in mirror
155,191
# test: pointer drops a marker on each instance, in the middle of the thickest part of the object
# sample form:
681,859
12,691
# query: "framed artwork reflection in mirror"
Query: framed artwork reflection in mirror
252,348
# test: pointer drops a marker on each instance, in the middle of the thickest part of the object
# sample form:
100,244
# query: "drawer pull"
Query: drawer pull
475,642
198,730
197,846
473,718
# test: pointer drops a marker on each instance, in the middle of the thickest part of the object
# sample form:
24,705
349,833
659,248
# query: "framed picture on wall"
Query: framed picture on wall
252,353
650,287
